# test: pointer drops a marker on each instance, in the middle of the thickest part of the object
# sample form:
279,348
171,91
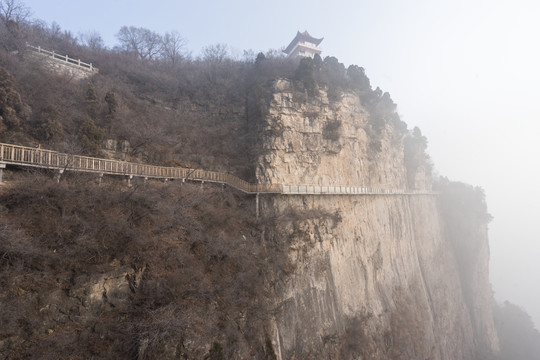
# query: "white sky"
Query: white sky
466,72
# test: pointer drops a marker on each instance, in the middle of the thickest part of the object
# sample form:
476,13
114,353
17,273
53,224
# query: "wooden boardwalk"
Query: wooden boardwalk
48,159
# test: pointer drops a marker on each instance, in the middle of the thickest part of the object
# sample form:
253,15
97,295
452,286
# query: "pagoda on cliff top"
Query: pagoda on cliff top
304,45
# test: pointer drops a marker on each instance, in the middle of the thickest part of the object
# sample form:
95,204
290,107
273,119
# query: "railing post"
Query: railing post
2,167
257,206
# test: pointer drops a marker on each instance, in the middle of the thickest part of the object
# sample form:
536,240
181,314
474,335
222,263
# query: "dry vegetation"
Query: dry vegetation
151,271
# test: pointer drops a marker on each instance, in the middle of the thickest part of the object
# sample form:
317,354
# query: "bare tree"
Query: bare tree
145,44
13,14
14,10
55,30
215,53
93,40
173,47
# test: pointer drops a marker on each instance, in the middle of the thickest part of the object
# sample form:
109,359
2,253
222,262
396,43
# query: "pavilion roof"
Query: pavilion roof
304,36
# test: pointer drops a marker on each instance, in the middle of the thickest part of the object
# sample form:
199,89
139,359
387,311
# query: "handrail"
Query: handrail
64,58
49,159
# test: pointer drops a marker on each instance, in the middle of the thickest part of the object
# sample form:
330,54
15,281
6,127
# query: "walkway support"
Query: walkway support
59,175
2,167
257,206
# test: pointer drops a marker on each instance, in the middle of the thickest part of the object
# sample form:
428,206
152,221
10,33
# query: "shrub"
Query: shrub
11,105
216,352
331,130
304,76
415,145
91,136
356,341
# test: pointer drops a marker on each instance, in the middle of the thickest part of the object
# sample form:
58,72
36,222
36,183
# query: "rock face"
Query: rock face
374,277
314,142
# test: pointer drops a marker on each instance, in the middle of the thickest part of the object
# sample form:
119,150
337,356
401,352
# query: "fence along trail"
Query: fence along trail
63,58
48,159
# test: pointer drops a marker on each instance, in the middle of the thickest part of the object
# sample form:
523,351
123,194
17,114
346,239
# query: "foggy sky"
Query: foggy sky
466,72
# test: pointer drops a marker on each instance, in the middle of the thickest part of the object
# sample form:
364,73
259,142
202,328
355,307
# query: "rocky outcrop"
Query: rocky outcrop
375,276
68,316
313,141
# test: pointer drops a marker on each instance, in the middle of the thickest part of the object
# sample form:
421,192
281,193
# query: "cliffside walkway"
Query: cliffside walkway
48,159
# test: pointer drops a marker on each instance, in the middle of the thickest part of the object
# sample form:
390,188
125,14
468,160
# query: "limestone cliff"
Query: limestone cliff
375,276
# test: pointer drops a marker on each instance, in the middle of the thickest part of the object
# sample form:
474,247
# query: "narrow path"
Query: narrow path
47,159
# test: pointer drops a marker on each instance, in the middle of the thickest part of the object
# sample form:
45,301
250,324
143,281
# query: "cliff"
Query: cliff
178,270
376,277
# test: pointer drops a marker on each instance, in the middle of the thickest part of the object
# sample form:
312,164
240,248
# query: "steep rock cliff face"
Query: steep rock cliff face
317,142
374,276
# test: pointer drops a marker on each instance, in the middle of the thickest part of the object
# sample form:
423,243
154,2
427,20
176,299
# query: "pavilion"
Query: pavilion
303,45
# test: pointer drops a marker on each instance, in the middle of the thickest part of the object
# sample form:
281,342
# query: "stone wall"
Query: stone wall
62,67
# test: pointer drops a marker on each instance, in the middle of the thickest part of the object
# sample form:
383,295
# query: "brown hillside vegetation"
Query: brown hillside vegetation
152,271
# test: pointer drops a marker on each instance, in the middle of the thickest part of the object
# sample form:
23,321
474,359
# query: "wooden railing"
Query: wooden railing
348,190
48,159
64,58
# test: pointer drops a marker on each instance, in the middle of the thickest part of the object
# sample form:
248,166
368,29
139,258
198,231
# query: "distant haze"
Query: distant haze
466,72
